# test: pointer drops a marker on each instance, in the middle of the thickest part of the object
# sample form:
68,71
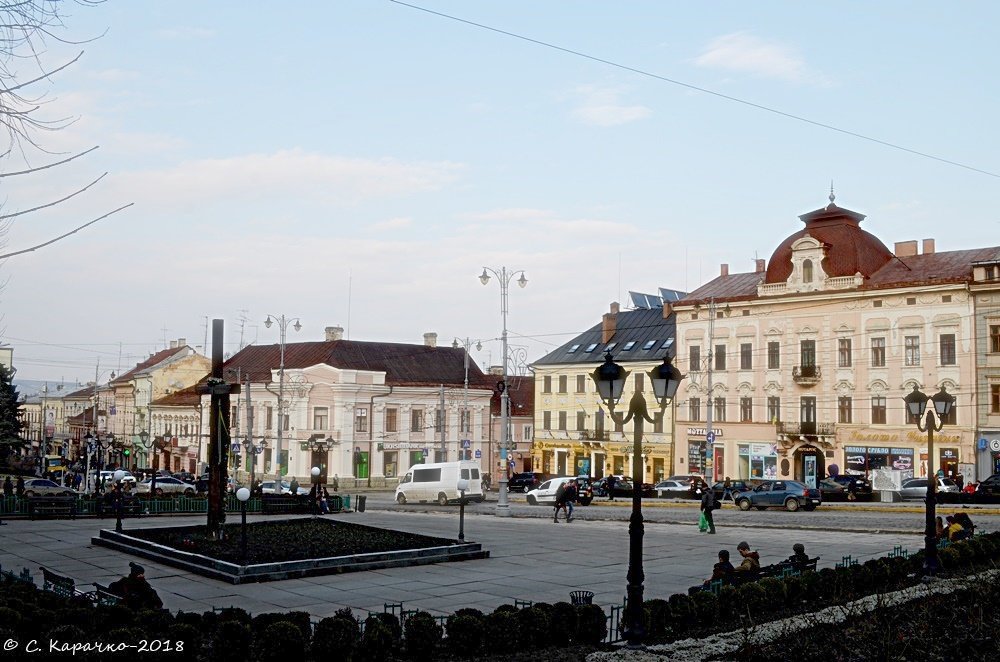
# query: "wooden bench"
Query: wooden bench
284,504
131,505
51,505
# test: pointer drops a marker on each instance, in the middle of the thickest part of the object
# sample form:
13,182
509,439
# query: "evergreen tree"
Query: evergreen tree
10,423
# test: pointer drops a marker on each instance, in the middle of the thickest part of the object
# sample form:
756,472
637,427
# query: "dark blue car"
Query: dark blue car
788,494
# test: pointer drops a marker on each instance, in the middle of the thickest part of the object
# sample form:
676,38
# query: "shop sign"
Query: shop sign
701,432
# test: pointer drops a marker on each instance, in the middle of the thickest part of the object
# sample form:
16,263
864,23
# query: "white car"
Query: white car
166,485
267,487
545,494
672,488
109,478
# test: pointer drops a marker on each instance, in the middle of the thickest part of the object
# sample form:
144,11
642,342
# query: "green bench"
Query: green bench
51,505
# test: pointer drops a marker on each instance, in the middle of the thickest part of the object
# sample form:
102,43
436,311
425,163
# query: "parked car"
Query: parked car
990,486
166,485
186,476
109,477
545,494
623,488
916,488
735,487
671,488
584,490
789,494
46,487
838,488
268,487
527,480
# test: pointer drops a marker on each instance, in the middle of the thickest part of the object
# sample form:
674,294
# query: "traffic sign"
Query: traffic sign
710,437
466,443
479,453
427,452
995,445
234,447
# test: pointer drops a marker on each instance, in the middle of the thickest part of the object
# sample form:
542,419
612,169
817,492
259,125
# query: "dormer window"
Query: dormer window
807,271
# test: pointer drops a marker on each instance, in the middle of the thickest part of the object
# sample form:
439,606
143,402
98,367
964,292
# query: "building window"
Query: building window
440,421
877,303
563,380
878,352
844,409
599,423
581,420
321,418
629,345
807,271
546,420
720,357
952,417
911,350
417,420
285,422
746,410
694,356
995,398
807,412
773,356
911,301
573,348
990,273
465,421
391,420
807,352
994,338
526,432
648,345
640,382
581,383
591,347
547,384
773,409
878,410
269,418
694,409
361,420
746,356
562,420
658,422
844,353
720,410
947,342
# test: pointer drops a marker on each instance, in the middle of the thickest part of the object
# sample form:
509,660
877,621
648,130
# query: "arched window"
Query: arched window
807,271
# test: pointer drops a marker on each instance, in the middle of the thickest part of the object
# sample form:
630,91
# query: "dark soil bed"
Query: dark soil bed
290,540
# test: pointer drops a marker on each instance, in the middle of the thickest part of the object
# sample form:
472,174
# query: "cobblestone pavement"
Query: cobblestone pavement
531,558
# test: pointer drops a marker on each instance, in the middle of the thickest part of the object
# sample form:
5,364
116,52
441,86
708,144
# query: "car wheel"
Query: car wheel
442,499
744,504
159,491
189,492
29,493
401,499
585,502
532,501
792,505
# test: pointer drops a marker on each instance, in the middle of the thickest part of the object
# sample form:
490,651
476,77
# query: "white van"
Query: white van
439,482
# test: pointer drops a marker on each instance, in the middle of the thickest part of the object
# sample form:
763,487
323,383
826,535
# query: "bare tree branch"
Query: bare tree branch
63,236
53,203
51,165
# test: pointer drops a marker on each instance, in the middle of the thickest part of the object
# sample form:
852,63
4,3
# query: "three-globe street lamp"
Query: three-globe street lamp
609,378
503,277
283,331
916,404
243,495
119,476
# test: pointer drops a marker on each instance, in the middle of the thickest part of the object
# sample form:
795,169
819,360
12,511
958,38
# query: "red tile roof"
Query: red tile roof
404,365
930,268
153,360
521,394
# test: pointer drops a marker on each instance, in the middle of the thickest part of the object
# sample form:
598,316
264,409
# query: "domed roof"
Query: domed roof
849,249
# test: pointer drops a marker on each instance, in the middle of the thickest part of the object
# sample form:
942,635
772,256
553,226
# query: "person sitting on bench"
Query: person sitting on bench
751,560
135,591
721,570
799,556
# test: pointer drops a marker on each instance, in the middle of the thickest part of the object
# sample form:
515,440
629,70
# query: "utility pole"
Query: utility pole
251,449
709,434
441,420
219,439
466,415
93,422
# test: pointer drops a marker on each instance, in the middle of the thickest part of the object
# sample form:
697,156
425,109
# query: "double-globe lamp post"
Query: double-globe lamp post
610,380
916,404
504,277
283,331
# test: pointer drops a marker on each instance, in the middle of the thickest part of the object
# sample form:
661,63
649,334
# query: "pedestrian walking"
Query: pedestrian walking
335,483
727,490
8,487
708,504
609,485
568,498
560,502
19,488
294,486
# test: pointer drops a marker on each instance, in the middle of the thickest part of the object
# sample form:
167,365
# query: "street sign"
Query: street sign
427,452
479,453
234,447
466,443
995,445
710,437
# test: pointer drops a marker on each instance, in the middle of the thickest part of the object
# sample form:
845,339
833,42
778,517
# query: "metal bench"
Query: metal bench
284,504
59,584
51,505
103,596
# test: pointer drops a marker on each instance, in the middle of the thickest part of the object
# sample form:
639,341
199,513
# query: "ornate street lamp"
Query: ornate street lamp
283,332
916,404
243,494
609,378
504,277
119,476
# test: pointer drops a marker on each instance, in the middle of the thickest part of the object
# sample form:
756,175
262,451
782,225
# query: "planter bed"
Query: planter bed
287,549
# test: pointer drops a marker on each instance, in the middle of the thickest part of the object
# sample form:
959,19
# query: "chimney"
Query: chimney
725,269
668,309
182,342
761,266
928,246
334,333
906,248
430,339
609,323
173,344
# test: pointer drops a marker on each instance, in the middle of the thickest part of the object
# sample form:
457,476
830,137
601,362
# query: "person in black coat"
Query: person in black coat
708,504
609,485
135,591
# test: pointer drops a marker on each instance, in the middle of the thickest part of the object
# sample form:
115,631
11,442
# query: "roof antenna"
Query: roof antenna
832,197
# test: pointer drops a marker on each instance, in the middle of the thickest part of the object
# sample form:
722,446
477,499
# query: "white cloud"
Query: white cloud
186,32
745,53
399,223
113,75
602,106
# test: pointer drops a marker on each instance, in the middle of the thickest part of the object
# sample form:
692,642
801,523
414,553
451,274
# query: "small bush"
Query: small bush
753,598
231,642
563,623
706,608
592,624
774,591
794,590
465,634
10,620
235,614
534,625
682,615
656,612
948,557
729,605
500,630
154,622
189,635
336,638
67,634
507,608
279,642
423,636
377,643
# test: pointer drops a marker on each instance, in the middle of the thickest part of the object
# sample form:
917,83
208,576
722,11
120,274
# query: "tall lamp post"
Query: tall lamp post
147,444
119,476
609,378
242,495
916,404
283,331
504,277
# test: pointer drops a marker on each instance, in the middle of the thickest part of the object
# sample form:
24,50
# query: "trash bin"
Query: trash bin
581,597
361,503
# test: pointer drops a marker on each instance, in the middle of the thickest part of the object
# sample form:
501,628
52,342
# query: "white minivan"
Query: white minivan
439,482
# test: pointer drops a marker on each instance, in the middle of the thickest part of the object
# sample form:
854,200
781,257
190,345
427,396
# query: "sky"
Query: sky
357,163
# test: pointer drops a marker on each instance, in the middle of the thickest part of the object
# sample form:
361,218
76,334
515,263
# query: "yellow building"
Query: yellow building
573,435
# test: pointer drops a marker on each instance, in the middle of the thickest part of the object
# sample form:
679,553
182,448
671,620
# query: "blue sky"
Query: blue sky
281,157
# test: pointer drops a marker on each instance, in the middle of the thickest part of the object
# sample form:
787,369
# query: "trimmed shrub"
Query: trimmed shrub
774,591
336,638
508,608
279,642
706,608
592,624
67,634
681,616
655,612
535,626
423,636
192,618
235,614
729,605
948,557
188,634
391,621
299,619
465,635
794,590
501,632
378,642
231,642
753,599
563,623
10,620
154,622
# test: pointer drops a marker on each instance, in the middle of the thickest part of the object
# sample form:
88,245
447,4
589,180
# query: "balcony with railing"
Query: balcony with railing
806,375
808,428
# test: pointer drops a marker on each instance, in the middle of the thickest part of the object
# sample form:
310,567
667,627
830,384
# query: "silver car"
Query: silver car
46,487
916,488
167,485
672,488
